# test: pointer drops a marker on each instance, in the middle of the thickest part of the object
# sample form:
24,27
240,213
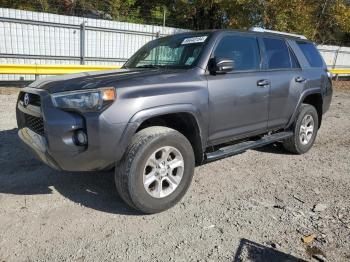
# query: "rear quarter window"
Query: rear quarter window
311,54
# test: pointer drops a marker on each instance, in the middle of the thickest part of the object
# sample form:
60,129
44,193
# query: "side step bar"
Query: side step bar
244,146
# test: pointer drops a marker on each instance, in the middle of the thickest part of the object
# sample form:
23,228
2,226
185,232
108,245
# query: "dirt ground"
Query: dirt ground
256,206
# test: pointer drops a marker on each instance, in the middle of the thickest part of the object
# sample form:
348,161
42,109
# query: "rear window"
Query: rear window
311,54
277,53
294,60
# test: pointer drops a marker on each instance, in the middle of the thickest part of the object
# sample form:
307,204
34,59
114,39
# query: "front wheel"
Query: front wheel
156,169
305,130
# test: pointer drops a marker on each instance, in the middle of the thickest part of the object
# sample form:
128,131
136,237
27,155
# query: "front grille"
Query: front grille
28,114
33,99
36,124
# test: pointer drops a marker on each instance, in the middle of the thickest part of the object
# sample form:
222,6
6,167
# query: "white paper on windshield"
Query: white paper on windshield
190,60
193,40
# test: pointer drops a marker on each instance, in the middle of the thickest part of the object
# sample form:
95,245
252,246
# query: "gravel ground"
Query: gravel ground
255,206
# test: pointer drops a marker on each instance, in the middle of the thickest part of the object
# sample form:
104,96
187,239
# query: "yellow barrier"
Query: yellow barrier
339,71
27,69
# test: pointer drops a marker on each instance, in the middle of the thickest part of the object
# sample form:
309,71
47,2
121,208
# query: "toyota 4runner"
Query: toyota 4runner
180,101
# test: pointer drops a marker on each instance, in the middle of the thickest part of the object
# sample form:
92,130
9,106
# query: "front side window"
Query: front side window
277,54
178,51
243,50
311,54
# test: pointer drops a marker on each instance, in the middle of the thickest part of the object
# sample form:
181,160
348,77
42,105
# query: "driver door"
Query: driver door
238,100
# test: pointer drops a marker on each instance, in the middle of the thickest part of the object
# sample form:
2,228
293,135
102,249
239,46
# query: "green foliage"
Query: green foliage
324,21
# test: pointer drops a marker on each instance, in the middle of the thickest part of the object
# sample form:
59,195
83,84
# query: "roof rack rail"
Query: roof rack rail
259,29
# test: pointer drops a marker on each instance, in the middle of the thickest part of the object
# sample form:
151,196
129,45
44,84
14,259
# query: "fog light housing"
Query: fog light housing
80,138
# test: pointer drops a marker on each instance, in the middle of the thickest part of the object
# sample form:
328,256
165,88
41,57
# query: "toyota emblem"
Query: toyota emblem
26,99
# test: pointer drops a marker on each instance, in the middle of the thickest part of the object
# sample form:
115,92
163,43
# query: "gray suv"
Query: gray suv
180,101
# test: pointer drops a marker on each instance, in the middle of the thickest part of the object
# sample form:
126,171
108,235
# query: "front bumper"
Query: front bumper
38,145
54,145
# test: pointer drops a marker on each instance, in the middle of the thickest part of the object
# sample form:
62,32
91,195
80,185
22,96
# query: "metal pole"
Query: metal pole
336,57
335,61
82,43
164,12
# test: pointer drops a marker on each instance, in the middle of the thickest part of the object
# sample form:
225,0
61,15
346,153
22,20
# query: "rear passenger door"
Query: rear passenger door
238,104
286,77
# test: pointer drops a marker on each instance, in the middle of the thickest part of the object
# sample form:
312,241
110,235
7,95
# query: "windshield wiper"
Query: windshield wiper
148,66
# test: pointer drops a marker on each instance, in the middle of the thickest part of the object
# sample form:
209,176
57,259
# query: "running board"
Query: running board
244,146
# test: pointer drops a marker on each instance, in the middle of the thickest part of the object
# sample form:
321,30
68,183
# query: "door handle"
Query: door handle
263,83
300,79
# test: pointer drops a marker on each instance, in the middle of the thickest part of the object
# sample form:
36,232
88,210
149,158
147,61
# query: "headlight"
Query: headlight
84,100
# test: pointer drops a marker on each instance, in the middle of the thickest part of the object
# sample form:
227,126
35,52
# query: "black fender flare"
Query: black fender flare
138,118
304,94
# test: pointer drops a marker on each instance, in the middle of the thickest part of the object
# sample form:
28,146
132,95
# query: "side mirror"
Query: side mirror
220,65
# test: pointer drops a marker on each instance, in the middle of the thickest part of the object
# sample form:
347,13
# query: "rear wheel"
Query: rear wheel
156,169
305,130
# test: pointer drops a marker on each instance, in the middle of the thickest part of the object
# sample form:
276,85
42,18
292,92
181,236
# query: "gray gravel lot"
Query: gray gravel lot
256,206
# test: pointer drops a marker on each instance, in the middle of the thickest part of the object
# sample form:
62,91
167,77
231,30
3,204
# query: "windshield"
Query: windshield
177,51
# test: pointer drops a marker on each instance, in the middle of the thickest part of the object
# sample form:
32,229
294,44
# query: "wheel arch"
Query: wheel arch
316,101
312,97
184,118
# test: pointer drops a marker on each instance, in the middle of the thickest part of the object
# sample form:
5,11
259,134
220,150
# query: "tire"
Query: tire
143,159
302,140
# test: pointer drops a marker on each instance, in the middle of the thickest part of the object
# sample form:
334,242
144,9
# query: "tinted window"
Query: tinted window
311,54
277,53
244,51
294,60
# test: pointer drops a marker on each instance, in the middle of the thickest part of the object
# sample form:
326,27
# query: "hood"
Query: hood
95,79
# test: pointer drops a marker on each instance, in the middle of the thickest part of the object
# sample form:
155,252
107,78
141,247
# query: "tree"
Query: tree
332,18
323,21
